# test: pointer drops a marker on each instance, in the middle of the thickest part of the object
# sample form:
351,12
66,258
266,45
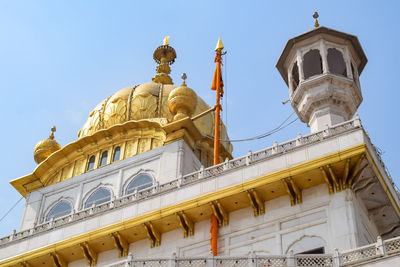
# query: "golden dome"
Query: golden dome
148,101
46,147
156,101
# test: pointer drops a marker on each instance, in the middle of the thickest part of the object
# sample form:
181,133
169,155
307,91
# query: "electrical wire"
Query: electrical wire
16,203
281,126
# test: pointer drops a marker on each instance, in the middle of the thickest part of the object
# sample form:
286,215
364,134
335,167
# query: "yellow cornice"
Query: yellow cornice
193,203
61,157
41,176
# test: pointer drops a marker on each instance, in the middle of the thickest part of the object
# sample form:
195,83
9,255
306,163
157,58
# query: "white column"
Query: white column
300,66
78,197
291,89
324,54
119,188
347,60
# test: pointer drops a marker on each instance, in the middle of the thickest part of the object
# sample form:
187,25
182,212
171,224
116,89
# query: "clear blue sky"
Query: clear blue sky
58,59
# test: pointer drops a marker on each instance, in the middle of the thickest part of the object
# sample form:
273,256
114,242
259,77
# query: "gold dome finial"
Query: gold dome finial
166,40
219,46
316,16
182,101
164,56
46,147
184,79
53,130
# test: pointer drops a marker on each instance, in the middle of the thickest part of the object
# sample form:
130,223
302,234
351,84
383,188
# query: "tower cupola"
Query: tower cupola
321,68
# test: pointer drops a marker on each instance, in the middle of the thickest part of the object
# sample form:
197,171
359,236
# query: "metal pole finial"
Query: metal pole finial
53,130
184,76
316,16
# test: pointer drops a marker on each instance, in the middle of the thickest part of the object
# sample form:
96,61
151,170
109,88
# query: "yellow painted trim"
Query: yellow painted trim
189,204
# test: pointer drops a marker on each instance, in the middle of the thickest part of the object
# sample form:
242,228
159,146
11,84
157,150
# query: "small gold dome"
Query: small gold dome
182,101
46,147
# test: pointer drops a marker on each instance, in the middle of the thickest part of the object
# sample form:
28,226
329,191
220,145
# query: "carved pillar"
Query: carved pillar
324,54
300,66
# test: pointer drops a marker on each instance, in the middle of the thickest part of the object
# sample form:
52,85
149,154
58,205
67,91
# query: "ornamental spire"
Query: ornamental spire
164,56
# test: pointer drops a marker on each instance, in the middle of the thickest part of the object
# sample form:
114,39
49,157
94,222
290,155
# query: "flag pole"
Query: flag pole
217,85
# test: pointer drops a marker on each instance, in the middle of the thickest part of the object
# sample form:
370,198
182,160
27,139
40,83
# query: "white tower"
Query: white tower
321,68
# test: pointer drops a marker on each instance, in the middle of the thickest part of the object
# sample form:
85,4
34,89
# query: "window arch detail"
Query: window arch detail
306,243
312,63
139,182
90,165
97,197
336,62
295,76
103,159
116,154
60,209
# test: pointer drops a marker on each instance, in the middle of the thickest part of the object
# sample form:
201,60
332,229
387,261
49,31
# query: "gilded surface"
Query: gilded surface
182,101
138,119
144,106
46,147
115,112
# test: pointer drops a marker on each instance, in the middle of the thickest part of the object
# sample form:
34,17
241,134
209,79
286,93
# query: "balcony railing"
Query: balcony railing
379,250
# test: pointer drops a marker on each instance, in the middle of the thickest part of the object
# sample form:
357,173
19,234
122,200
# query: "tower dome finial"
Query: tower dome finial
316,16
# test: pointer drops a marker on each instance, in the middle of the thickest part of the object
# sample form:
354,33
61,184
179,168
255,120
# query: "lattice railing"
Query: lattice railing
347,258
358,254
272,261
232,262
150,263
314,260
191,177
392,245
191,262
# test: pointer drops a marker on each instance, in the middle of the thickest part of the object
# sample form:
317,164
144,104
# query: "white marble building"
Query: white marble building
137,188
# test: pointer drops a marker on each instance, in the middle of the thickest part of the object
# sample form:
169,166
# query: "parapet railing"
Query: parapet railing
194,177
379,250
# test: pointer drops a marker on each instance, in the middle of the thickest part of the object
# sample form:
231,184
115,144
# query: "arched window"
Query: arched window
98,197
117,152
90,165
312,63
103,160
336,62
295,76
308,245
61,209
138,183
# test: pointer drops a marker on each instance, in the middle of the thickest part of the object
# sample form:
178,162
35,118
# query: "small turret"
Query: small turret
321,68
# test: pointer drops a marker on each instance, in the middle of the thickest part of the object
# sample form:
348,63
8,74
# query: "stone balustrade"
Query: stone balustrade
363,255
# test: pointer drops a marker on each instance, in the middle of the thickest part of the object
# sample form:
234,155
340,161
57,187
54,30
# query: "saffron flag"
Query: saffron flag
217,83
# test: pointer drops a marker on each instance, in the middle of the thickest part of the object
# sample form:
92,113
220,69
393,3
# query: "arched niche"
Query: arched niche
98,196
139,182
336,62
305,244
295,76
312,63
59,209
